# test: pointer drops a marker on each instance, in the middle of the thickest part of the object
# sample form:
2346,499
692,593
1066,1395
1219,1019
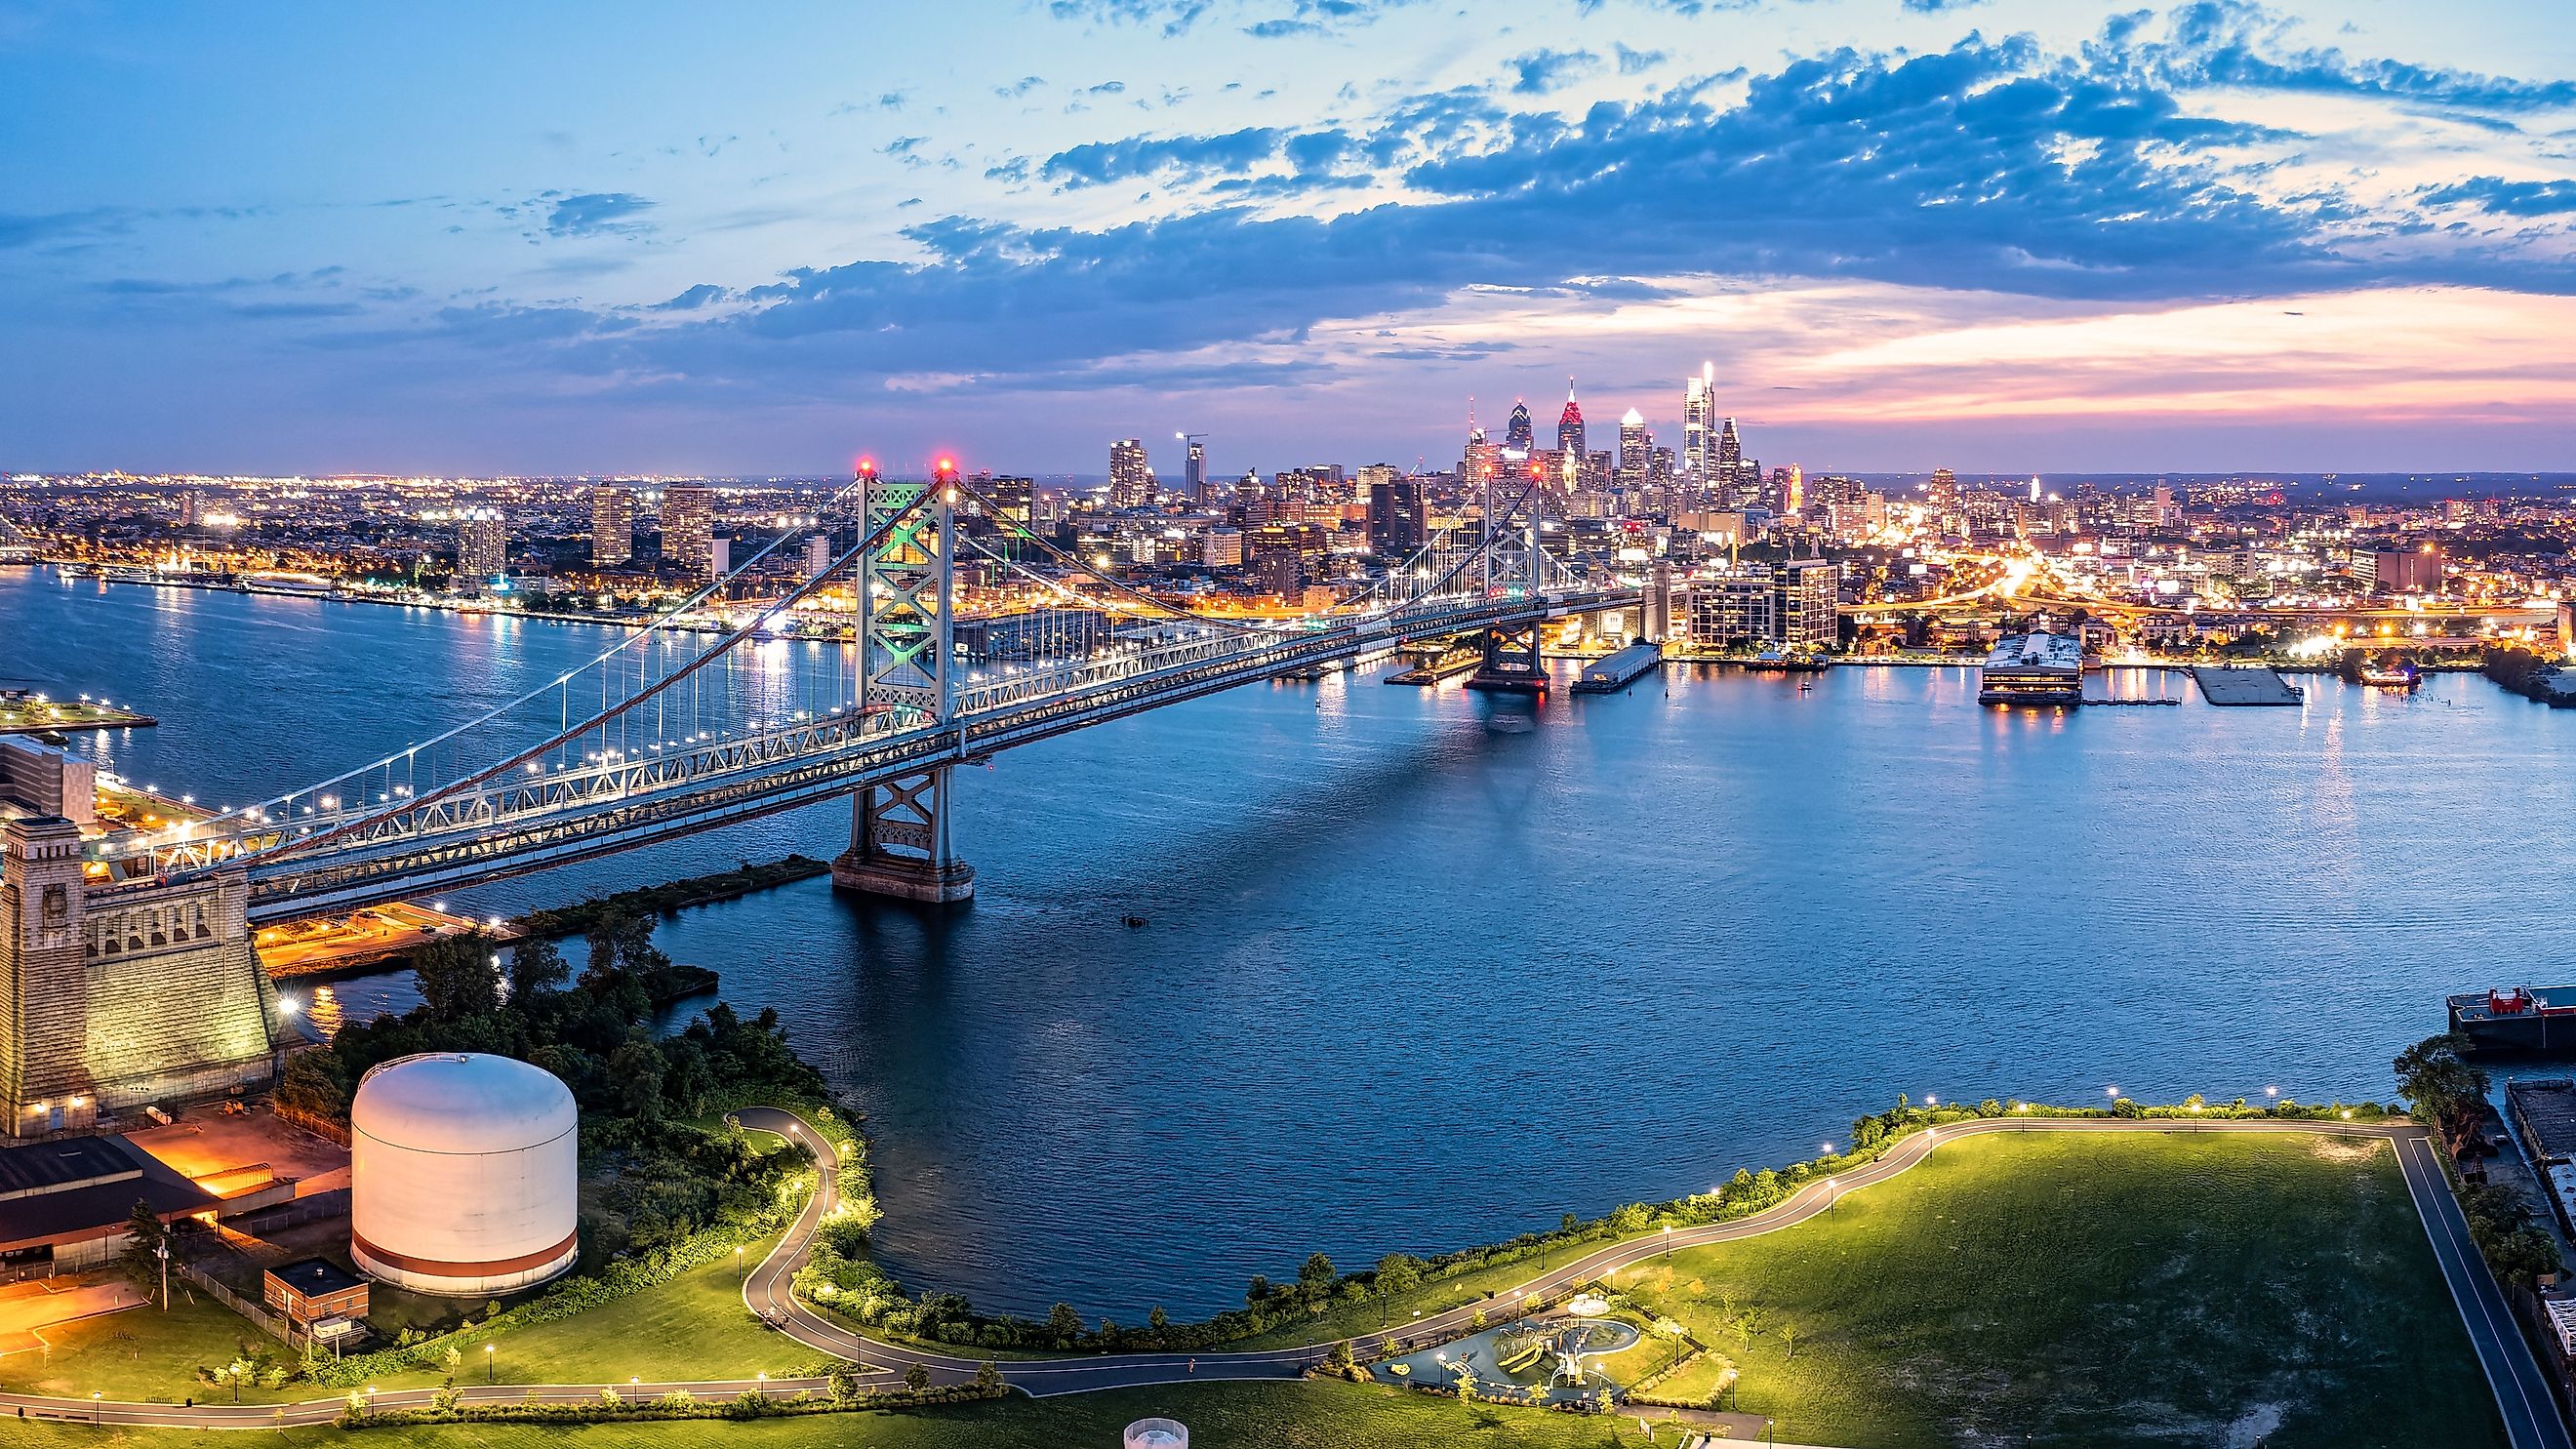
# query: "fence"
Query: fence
268,1322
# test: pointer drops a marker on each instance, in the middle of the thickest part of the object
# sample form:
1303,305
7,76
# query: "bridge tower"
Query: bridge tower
899,830
1516,569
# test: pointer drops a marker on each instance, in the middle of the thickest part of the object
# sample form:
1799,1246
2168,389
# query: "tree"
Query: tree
988,1378
1789,1338
1256,1292
1749,1323
1063,1322
536,967
1156,1319
457,976
1316,1277
845,1384
917,1377
310,1085
636,1069
1669,1329
1396,1273
146,1238
2443,1089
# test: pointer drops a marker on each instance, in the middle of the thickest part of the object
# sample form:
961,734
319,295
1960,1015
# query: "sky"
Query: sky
1996,235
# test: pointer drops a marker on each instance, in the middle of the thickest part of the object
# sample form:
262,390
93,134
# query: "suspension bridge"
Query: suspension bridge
666,733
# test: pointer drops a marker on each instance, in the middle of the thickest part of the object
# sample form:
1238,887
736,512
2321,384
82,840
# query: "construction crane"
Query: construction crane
1194,470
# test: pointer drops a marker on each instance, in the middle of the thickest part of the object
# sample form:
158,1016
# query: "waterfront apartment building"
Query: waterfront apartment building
1131,477
482,542
612,527
688,529
1759,605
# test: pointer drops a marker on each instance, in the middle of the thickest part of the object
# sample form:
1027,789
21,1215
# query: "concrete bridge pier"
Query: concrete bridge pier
899,844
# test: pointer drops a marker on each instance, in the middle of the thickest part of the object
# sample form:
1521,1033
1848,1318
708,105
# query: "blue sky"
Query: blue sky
2003,235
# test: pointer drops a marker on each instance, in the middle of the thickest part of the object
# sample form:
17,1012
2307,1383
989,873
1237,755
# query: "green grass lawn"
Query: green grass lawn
143,1354
1219,1416
694,1326
2087,1289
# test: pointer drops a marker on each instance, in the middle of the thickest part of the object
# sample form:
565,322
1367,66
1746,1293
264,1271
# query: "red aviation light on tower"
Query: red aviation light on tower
947,465
865,468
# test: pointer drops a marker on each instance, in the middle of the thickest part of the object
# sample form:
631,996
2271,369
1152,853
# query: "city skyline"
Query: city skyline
2001,236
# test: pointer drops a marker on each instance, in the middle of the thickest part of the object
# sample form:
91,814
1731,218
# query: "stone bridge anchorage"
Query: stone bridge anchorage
125,955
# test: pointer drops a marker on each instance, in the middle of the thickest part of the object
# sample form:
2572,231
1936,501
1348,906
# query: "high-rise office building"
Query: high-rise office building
818,555
1194,471
1131,478
1699,430
1013,500
482,542
612,526
1569,425
1730,466
1482,460
1636,447
1396,525
1517,433
688,529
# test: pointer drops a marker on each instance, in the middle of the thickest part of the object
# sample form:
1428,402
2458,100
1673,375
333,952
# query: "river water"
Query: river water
1422,969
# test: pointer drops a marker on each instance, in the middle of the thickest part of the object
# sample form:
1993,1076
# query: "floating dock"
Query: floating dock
1619,670
2254,686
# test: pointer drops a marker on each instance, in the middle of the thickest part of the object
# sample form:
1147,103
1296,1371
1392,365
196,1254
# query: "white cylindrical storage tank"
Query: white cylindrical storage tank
463,1174
1157,1434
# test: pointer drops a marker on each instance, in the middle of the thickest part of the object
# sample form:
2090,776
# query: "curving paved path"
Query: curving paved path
2522,1392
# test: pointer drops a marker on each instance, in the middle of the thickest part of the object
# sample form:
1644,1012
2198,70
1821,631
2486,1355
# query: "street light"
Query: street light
1668,1242
737,1263
488,1368
93,1408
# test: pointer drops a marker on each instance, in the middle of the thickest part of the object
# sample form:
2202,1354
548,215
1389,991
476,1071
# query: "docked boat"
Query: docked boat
2043,670
2525,1020
1619,670
2402,676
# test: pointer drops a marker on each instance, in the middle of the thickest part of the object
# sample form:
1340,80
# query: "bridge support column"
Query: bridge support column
899,844
899,829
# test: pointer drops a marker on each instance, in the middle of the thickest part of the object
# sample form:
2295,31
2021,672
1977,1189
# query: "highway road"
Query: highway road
2522,1392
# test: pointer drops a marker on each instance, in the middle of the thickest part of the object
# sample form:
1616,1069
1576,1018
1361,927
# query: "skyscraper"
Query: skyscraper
1131,478
688,529
1395,519
1194,471
482,542
612,526
1636,447
1518,434
1569,425
1730,465
1699,430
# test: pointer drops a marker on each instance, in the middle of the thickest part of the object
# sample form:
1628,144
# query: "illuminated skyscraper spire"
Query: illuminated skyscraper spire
1518,433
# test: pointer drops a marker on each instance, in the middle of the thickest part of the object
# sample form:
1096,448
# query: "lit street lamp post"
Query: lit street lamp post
489,1371
93,1408
1668,1242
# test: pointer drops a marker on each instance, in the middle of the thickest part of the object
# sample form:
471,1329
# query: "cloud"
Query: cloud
1020,87
1174,17
1099,162
1541,71
2507,198
596,213
1937,7
1635,62
2231,43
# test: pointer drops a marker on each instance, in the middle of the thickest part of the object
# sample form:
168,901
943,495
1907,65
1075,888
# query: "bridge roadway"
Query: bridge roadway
2522,1391
508,827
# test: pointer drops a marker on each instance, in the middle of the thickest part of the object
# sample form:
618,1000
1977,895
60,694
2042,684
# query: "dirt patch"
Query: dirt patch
2344,1149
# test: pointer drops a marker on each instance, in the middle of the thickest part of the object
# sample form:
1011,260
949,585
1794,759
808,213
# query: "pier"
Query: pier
2222,684
23,712
1620,669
